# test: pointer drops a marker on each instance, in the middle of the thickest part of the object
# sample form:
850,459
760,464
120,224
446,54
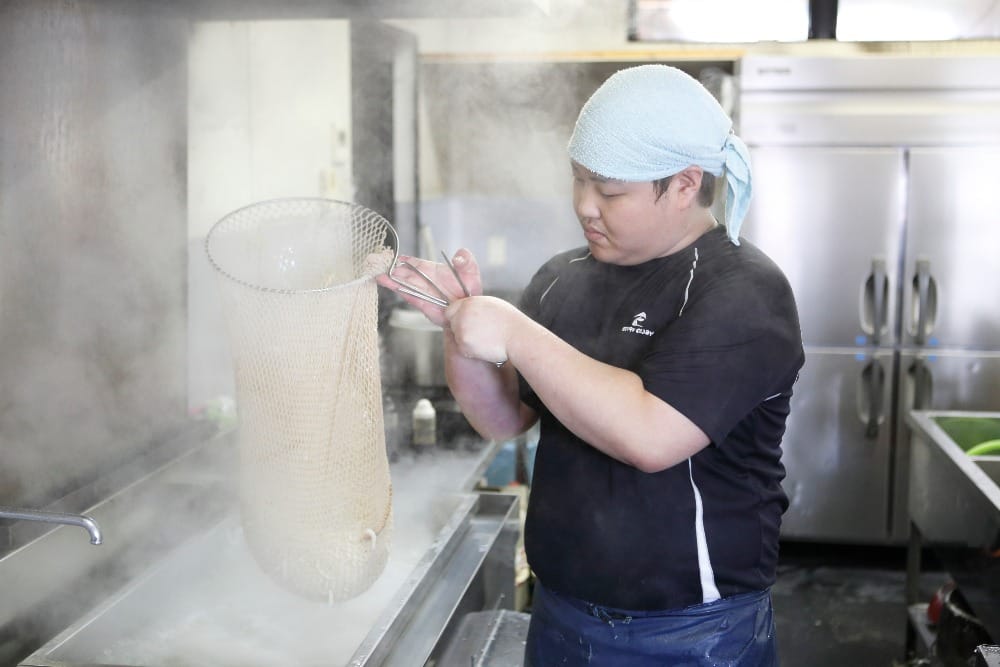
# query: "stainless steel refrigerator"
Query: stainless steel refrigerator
877,190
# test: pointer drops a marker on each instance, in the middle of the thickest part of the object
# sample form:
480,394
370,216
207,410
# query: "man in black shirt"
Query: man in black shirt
660,360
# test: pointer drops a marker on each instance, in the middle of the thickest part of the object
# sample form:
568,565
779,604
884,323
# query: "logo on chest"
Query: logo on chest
636,326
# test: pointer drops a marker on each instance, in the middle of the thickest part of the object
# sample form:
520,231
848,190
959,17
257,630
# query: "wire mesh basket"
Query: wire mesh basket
297,282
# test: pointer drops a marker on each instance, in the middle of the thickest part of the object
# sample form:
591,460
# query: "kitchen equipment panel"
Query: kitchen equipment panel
837,445
952,271
873,192
830,218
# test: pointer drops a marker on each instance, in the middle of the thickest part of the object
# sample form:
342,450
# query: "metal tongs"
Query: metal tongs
441,300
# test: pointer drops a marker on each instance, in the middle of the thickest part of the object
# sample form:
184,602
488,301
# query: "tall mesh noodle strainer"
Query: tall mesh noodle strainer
296,277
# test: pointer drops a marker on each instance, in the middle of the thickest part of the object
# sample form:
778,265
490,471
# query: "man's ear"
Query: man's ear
688,183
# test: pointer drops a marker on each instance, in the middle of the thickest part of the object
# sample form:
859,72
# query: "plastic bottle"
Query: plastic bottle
424,425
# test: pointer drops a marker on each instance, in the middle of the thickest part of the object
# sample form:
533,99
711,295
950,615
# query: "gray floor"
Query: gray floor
842,607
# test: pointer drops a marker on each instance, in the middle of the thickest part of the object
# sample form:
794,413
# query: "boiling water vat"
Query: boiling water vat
210,604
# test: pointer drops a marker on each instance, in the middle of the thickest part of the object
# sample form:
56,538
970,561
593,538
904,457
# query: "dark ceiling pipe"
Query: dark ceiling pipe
822,19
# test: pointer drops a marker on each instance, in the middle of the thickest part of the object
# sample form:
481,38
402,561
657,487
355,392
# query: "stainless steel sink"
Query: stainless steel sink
954,508
990,465
954,498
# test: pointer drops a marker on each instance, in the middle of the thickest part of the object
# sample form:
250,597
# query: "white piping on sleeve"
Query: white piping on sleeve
709,591
694,265
551,285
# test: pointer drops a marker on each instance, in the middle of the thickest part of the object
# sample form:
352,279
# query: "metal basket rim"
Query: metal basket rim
283,200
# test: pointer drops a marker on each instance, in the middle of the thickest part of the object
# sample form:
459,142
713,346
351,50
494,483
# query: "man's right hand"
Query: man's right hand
464,262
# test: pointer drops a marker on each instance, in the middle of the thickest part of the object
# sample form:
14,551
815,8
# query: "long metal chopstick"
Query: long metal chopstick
454,272
406,288
444,295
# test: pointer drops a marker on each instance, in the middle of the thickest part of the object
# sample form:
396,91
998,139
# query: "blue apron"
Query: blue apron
737,631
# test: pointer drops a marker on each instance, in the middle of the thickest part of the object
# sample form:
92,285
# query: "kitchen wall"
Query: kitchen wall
269,115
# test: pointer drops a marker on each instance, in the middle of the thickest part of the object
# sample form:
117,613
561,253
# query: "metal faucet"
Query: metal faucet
81,520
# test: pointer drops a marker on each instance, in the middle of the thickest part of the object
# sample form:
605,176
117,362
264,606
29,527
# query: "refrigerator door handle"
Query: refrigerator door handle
870,397
922,383
874,301
924,302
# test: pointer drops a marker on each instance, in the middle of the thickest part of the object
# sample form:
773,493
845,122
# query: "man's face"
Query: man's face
624,223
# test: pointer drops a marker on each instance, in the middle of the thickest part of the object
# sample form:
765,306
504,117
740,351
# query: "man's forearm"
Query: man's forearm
606,406
487,395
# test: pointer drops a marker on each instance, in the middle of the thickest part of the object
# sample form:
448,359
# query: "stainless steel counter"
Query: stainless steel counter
206,601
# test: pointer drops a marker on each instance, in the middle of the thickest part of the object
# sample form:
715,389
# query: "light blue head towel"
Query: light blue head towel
652,121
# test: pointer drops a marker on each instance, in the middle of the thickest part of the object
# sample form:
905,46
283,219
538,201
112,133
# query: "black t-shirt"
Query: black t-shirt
713,331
